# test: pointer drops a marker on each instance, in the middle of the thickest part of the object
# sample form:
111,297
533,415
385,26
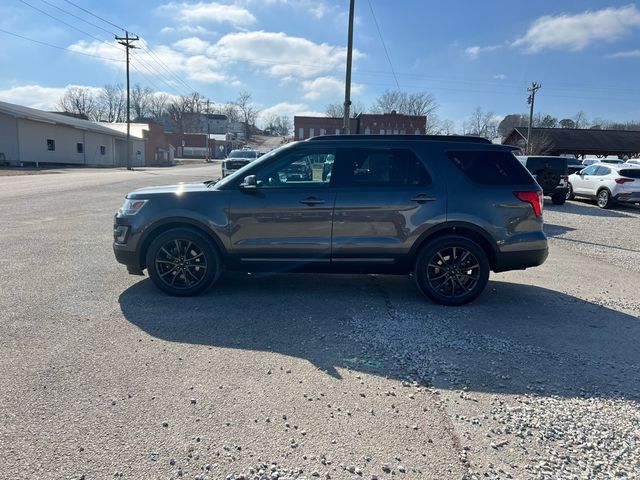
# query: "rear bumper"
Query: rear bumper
630,197
520,260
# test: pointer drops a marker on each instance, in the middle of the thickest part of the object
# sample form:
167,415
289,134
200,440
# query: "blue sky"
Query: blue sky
290,53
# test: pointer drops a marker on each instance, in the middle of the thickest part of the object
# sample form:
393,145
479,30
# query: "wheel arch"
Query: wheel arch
463,229
169,224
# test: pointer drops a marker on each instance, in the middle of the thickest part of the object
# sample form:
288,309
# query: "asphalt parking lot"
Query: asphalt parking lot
309,376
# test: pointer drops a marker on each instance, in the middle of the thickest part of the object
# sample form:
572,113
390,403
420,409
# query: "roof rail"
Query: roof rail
439,138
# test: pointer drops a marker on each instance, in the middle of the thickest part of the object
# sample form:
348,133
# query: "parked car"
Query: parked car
551,173
447,209
238,159
607,184
301,170
574,165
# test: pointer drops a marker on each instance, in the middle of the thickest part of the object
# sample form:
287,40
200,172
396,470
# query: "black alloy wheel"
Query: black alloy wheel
452,270
182,262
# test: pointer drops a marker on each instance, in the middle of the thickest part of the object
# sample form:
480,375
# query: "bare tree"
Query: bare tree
248,112
390,101
446,127
79,101
141,101
482,124
180,110
112,103
580,120
511,121
158,104
540,143
283,125
421,104
336,110
567,123
228,109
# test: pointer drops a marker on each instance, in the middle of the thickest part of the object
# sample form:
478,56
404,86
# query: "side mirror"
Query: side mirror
250,183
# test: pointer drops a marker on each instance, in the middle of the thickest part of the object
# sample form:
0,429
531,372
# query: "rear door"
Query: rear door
385,194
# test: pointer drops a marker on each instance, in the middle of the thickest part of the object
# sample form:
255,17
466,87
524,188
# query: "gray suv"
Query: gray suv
446,209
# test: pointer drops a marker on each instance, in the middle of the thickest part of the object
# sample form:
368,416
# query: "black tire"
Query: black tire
183,262
548,179
559,198
604,199
452,261
570,194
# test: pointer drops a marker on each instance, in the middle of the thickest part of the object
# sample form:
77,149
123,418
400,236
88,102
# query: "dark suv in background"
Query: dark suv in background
446,209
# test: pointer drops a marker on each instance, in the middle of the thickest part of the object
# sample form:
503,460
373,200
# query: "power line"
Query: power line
383,44
68,24
167,68
78,17
158,76
96,16
59,47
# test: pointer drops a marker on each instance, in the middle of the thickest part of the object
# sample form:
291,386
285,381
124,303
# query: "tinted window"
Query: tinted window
491,168
603,171
299,169
634,173
383,167
243,154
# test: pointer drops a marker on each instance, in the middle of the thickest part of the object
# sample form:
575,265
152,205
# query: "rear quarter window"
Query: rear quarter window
487,167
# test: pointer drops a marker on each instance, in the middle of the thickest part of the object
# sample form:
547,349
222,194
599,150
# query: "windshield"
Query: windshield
241,172
243,154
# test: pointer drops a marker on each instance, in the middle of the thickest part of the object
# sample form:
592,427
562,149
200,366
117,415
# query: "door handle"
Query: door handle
312,201
423,198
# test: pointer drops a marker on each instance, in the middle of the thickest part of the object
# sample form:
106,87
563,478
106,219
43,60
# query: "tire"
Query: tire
570,194
548,179
604,199
183,262
559,198
466,283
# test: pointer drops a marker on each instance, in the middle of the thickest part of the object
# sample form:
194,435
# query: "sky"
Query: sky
290,54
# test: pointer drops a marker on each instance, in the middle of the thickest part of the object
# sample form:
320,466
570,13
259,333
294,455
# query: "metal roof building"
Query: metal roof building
579,142
31,136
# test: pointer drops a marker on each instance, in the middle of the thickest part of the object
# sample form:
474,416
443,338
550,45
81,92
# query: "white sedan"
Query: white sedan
607,184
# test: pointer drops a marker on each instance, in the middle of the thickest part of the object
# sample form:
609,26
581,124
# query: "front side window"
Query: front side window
590,170
51,145
382,168
312,169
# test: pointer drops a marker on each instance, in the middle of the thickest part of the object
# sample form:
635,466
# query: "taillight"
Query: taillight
620,181
534,198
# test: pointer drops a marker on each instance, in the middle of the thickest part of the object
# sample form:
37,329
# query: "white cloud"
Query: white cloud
327,87
289,110
317,8
37,96
190,29
628,54
575,32
279,54
499,76
474,52
210,12
192,45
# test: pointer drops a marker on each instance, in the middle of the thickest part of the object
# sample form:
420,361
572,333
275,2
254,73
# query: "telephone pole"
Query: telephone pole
347,83
208,132
127,41
531,100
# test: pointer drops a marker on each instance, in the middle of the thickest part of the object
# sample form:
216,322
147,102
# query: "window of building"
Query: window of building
337,131
367,131
417,131
323,131
312,132
395,132
80,147
51,145
103,150
301,133
382,131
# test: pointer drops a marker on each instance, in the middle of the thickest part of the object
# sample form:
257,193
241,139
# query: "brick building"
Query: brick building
157,149
365,124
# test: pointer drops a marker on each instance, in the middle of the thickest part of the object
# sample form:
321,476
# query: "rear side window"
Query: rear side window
383,167
603,171
634,173
487,167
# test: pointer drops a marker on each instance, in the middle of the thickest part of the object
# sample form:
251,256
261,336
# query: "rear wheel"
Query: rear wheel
604,199
452,270
559,198
183,262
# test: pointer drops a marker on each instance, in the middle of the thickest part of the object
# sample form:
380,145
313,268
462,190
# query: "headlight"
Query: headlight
131,207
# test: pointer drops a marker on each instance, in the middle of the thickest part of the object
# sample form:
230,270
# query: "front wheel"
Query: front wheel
452,270
570,194
183,262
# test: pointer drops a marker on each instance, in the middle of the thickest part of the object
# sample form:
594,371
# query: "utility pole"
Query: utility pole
347,83
531,100
208,132
127,41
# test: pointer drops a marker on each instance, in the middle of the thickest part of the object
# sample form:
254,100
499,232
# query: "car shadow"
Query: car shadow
515,338
586,207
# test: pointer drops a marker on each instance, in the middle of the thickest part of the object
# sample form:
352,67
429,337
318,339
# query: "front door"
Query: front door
385,195
582,184
285,222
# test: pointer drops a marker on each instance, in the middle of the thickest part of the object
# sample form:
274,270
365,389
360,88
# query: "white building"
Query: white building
30,136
